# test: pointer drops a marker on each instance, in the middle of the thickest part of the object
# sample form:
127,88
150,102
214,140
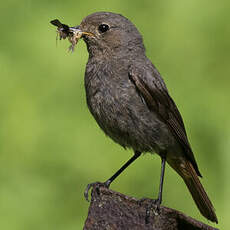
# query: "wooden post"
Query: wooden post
110,210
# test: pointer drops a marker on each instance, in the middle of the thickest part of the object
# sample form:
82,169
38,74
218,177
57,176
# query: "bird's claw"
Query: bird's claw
152,206
89,186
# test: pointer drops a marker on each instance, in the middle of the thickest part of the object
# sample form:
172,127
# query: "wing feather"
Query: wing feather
151,87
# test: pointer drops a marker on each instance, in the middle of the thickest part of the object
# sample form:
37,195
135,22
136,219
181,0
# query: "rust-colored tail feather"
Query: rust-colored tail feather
197,191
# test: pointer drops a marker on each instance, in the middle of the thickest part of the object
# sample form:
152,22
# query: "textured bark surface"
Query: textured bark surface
111,210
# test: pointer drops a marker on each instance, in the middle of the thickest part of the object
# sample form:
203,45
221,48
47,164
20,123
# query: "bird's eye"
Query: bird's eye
103,28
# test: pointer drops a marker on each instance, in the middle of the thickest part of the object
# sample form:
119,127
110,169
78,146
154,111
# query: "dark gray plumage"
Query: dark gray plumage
130,102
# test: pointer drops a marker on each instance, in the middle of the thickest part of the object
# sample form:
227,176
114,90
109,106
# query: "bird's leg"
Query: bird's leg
156,203
159,199
130,161
112,178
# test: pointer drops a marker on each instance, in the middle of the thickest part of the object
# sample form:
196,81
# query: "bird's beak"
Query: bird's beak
78,33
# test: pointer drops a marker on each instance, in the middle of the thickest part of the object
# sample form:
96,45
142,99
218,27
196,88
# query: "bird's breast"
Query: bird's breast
120,111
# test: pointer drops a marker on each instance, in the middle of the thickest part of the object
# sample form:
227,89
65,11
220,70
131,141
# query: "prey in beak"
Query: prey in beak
72,33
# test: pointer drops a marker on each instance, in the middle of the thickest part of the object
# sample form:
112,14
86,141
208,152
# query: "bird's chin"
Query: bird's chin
89,39
86,38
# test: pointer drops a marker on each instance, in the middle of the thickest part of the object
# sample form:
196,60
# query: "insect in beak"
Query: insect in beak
72,33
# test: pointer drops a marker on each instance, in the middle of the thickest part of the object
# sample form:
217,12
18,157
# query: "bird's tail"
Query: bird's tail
189,175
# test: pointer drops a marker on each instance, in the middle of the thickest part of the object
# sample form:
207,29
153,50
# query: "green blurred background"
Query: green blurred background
50,146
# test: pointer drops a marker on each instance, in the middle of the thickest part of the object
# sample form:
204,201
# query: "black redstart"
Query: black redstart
130,102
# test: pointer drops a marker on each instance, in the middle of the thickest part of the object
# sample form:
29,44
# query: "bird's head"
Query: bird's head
108,33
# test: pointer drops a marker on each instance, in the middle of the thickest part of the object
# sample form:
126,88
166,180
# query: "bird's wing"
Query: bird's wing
151,87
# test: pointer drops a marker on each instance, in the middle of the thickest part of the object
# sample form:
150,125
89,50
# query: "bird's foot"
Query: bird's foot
98,185
152,206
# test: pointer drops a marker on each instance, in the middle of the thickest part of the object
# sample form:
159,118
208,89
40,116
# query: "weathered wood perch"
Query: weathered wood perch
110,210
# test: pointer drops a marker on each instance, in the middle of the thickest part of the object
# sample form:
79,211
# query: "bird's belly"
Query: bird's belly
127,120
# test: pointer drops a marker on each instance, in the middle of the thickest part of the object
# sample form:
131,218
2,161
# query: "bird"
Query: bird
129,100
